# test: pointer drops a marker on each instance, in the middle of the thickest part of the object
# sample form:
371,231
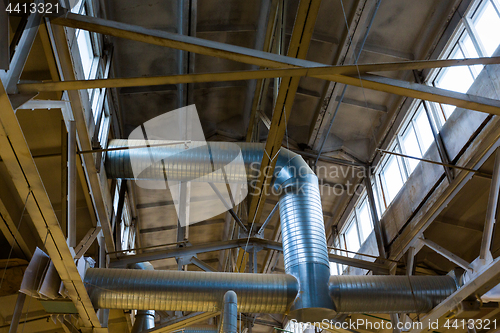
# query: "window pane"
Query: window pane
392,178
411,147
448,110
333,268
487,24
365,222
85,49
351,238
471,52
95,99
424,130
455,78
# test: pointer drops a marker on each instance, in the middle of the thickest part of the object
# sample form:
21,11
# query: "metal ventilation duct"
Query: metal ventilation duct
306,292
389,294
303,229
144,319
188,291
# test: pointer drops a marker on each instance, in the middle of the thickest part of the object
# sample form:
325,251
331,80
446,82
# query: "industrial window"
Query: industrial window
127,227
458,78
477,35
104,127
417,137
486,22
364,220
391,177
335,268
352,237
86,51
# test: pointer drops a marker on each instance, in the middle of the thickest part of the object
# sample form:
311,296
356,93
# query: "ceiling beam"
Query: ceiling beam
181,42
479,284
299,45
356,27
24,173
366,81
329,73
232,244
363,104
376,49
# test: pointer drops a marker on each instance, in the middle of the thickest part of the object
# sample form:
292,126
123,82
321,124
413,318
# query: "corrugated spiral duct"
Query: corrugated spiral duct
306,292
389,294
188,291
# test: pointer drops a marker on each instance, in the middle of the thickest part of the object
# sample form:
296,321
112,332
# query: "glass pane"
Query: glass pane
392,178
76,7
487,24
333,268
455,78
85,49
351,238
471,52
378,199
411,147
95,100
424,130
365,222
448,109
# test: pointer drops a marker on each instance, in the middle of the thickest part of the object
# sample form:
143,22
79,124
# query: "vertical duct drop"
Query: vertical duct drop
144,319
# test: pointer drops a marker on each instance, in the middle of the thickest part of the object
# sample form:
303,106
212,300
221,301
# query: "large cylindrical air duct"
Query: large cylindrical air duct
306,292
144,319
389,294
188,291
302,225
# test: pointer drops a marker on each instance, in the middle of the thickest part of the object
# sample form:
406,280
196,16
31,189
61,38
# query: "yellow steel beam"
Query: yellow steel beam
260,86
17,157
331,73
299,45
265,59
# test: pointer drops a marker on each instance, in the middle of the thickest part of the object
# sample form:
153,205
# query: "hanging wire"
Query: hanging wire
359,75
12,247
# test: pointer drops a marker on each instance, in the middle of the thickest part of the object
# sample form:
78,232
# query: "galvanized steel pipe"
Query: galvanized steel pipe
188,291
389,294
144,319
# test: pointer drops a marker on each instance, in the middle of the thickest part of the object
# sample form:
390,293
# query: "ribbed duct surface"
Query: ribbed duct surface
179,163
188,291
306,292
304,242
303,229
389,294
